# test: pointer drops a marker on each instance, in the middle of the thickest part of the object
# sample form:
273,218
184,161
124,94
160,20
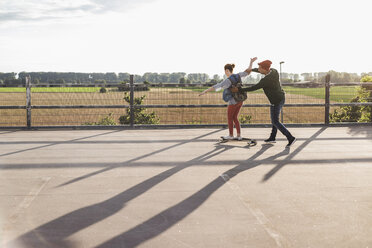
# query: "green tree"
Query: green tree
105,121
176,76
340,77
164,77
110,76
100,81
356,113
123,76
60,81
216,77
308,76
184,81
140,114
9,76
245,119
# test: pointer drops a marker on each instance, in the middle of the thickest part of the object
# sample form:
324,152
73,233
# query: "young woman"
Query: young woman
234,107
273,90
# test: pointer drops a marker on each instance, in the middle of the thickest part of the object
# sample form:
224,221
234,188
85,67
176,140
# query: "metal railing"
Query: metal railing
158,101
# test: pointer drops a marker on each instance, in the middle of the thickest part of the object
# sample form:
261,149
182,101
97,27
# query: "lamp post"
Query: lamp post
280,77
281,62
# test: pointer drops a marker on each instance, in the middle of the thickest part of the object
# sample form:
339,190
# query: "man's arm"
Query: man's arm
245,73
257,86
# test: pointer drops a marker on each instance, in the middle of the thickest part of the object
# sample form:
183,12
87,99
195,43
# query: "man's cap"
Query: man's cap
265,64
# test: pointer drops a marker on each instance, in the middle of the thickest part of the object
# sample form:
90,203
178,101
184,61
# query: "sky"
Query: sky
192,36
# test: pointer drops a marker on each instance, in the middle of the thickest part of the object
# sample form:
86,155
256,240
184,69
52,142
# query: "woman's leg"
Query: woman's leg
230,118
238,107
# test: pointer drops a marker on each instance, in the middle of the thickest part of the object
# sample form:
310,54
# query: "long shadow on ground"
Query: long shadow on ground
56,232
145,231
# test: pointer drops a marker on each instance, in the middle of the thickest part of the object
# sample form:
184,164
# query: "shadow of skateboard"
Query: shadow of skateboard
250,142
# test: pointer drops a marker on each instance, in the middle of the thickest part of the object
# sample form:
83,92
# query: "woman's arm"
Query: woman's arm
207,90
222,85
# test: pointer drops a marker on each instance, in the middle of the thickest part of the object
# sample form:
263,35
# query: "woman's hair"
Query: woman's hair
230,67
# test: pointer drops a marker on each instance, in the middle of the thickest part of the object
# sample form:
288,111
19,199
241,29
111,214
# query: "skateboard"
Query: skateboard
250,142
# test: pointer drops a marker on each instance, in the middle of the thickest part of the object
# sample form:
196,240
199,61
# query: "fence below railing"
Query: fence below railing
166,105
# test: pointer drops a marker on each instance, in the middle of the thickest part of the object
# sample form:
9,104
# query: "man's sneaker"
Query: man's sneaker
270,140
291,141
228,137
239,138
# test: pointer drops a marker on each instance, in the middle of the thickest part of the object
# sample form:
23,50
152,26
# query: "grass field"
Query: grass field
51,89
91,96
338,93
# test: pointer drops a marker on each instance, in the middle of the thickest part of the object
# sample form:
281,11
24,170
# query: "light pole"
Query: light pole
281,62
280,77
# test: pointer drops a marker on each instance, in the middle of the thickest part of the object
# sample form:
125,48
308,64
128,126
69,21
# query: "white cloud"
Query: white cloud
184,35
23,12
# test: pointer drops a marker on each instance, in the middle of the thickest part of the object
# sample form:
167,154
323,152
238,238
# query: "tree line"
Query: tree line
110,77
319,77
13,78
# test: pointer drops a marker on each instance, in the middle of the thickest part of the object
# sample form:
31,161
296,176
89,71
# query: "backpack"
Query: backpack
227,95
236,81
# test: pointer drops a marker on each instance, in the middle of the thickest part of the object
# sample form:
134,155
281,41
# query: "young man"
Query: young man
273,90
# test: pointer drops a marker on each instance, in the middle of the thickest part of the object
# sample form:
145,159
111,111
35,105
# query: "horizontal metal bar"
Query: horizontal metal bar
13,127
225,105
77,106
352,104
175,126
12,107
163,106
348,124
82,127
162,85
351,84
180,106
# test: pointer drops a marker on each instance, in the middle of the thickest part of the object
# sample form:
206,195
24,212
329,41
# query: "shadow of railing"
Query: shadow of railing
56,232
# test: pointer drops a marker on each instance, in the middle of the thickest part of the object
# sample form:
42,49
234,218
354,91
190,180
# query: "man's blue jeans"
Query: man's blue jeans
274,113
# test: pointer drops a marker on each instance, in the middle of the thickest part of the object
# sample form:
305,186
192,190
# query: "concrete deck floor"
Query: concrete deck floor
180,188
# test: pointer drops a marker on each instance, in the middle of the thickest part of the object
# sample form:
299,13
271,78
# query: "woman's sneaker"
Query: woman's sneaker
228,137
270,140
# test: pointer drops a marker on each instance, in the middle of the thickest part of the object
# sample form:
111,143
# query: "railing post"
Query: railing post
327,99
131,106
28,100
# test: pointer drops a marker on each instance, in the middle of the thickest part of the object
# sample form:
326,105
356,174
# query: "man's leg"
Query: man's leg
274,130
275,112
